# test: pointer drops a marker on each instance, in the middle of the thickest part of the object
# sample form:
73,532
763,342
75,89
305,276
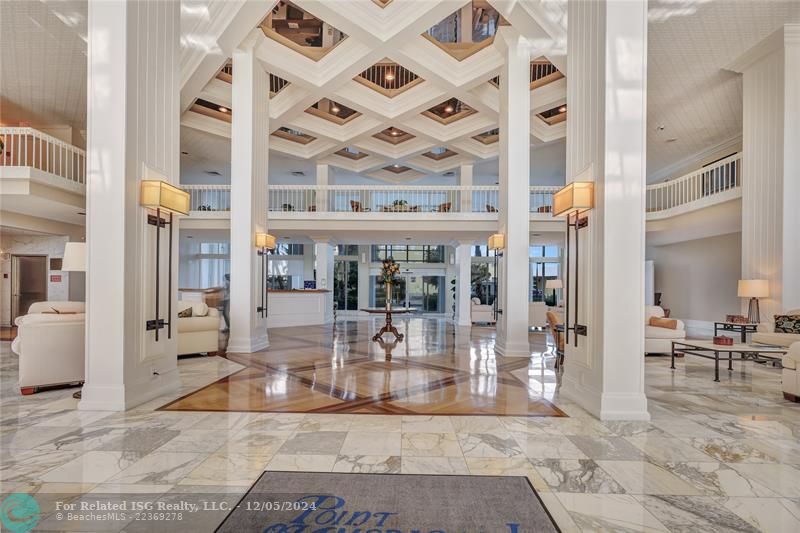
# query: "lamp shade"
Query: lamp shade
553,284
574,197
497,241
753,288
157,194
74,257
265,240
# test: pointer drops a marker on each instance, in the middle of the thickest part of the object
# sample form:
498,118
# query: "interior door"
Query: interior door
28,282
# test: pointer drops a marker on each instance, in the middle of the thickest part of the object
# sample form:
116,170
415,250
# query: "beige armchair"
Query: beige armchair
659,340
198,334
790,375
766,333
50,345
482,312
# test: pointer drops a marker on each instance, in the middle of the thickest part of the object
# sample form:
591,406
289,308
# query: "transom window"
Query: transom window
411,253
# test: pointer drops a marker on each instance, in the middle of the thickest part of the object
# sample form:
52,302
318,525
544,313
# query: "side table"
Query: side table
741,328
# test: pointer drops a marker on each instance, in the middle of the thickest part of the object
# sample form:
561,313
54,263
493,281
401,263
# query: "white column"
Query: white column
323,253
364,257
323,177
464,284
606,132
249,173
512,323
465,180
132,133
770,171
466,23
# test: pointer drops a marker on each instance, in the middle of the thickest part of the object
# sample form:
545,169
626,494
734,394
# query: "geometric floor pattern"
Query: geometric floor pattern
434,370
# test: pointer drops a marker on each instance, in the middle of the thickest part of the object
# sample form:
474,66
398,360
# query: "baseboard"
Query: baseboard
248,345
608,405
699,329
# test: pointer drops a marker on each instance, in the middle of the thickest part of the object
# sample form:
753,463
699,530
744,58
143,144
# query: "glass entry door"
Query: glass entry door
345,285
425,293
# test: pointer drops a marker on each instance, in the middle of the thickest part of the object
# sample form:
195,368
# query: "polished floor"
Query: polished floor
715,457
435,369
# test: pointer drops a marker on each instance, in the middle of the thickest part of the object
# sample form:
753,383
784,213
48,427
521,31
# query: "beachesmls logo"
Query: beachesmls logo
19,513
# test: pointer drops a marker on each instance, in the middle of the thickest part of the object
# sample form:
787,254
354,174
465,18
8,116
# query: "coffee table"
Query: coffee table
743,328
709,350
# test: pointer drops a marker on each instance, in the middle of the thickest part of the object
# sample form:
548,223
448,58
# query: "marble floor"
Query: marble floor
715,456
436,369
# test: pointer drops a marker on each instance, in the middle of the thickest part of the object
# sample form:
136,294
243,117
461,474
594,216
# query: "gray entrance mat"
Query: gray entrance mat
308,502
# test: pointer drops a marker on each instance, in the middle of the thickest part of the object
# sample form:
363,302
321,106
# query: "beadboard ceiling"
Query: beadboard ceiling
43,68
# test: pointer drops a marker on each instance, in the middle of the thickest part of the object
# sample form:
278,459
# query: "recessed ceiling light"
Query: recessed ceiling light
660,127
562,109
223,109
335,109
395,132
396,165
448,109
389,76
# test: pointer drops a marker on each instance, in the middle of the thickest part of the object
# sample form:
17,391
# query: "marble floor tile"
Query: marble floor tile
717,479
368,443
765,514
434,465
729,450
31,437
559,513
49,495
642,477
496,444
548,447
29,465
571,426
255,442
782,450
609,512
302,463
694,513
160,468
427,424
477,424
782,479
93,467
507,466
377,423
139,439
430,445
608,448
576,475
632,429
274,422
368,464
668,449
521,424
196,440
315,422
314,443
227,469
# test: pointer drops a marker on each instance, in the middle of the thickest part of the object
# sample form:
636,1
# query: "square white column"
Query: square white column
514,218
324,258
464,284
249,178
132,133
606,134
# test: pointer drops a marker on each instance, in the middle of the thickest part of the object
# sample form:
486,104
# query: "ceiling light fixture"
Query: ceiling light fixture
389,76
223,109
448,109
396,165
562,109
335,109
395,133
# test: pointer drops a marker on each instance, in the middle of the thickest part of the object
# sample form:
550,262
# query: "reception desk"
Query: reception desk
299,308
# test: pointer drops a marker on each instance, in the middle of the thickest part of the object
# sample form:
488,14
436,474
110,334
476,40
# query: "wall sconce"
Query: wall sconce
160,195
264,243
575,198
497,242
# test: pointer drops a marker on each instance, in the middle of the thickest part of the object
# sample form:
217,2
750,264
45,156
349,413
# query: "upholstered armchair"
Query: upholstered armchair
766,333
790,375
659,340
481,312
553,321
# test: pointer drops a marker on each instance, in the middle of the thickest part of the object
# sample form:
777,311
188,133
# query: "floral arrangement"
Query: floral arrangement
389,271
400,202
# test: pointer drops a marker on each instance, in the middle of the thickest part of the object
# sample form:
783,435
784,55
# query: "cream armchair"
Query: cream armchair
481,312
766,333
198,334
790,375
50,345
659,340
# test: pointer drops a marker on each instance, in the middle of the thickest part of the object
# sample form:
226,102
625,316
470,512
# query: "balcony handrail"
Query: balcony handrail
28,147
673,182
704,185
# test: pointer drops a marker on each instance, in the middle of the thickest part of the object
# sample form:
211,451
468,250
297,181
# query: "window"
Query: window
288,249
540,272
545,251
409,253
483,284
350,250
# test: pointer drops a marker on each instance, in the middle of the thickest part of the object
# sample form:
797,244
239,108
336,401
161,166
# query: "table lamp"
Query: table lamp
753,289
554,284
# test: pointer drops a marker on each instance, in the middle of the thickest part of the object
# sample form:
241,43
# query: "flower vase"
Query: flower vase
388,296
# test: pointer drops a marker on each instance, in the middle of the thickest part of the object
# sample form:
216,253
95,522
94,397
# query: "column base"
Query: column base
508,348
606,405
121,397
248,344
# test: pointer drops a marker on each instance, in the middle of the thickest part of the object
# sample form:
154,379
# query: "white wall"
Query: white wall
698,278
49,245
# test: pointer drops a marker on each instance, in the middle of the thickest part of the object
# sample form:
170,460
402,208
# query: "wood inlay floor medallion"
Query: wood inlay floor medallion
435,370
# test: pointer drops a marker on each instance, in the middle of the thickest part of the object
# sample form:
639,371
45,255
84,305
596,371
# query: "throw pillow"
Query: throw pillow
186,313
787,324
663,322
476,301
199,309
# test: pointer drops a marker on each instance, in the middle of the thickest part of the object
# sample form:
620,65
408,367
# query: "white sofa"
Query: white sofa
790,375
659,340
481,312
766,333
537,314
50,346
198,334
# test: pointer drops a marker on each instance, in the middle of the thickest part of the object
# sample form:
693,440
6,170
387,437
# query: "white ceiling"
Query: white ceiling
43,71
688,92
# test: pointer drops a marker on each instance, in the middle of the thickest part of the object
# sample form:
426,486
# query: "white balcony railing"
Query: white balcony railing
203,198
701,187
27,147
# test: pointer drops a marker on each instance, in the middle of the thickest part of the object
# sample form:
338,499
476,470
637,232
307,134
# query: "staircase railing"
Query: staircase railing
28,147
698,186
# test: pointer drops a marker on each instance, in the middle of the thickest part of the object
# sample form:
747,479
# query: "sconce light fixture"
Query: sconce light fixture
162,196
497,242
264,243
575,198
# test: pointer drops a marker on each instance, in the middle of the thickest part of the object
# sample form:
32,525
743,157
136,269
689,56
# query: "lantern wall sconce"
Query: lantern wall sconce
571,201
161,196
497,243
264,242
